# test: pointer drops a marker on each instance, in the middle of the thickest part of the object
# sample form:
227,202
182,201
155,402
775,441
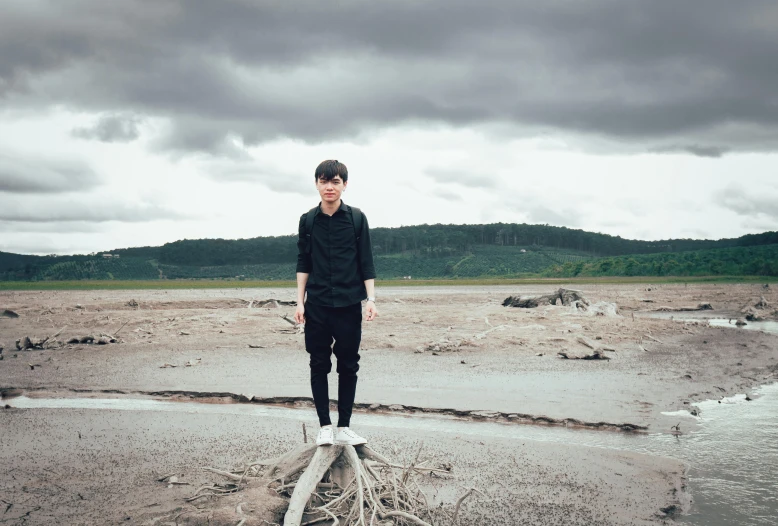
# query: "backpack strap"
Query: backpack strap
357,218
309,217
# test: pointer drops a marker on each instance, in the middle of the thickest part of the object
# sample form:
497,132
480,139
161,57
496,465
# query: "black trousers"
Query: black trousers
333,330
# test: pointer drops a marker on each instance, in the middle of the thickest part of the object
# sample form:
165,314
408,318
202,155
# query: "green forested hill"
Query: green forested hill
423,251
740,261
434,241
481,261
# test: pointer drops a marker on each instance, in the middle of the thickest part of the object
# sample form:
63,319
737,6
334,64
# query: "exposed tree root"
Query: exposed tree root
340,485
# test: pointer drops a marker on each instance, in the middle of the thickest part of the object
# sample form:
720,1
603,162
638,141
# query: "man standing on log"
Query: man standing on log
335,271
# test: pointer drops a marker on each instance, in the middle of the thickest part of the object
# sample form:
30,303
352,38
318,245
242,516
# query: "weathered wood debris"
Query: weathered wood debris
762,303
270,303
598,354
756,312
560,297
574,299
340,483
99,339
700,307
298,328
26,343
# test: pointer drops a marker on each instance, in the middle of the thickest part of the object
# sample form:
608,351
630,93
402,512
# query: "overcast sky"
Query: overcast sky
137,123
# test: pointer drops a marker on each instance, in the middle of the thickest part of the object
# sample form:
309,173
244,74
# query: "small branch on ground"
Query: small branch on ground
470,491
299,328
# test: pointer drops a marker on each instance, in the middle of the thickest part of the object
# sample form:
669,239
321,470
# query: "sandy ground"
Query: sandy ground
452,350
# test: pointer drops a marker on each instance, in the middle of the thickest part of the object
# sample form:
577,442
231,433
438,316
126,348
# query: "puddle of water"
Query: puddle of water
733,458
421,422
687,317
764,326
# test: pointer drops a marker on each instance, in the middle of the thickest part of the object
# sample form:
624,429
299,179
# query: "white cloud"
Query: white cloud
149,198
746,202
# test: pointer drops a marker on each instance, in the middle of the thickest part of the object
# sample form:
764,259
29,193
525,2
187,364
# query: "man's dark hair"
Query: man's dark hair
327,170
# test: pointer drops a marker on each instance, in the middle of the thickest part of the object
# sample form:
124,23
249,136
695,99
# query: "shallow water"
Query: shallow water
734,461
697,317
733,457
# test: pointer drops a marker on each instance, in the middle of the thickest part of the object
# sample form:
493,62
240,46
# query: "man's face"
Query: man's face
330,190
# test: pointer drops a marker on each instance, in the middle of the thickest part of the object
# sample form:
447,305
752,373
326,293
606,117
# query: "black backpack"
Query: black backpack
357,218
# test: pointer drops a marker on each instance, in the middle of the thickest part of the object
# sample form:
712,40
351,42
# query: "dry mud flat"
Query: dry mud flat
454,350
102,467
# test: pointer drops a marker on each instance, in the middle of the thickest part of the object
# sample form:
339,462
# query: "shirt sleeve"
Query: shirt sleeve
303,260
366,252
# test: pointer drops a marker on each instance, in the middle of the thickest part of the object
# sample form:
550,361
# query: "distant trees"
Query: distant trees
737,261
437,241
426,251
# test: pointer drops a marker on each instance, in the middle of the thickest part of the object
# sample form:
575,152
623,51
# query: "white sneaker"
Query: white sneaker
326,436
347,437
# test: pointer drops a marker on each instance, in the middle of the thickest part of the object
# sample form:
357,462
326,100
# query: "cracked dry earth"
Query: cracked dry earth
451,351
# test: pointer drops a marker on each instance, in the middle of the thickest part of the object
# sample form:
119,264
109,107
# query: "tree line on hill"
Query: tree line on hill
432,241
737,261
447,244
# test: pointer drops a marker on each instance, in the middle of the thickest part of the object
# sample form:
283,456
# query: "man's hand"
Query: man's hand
370,311
299,314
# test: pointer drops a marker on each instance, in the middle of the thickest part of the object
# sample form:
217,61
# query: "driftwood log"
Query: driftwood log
598,354
101,339
25,342
562,296
338,484
701,306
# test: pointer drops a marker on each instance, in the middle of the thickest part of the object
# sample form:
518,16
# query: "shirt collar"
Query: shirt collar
343,207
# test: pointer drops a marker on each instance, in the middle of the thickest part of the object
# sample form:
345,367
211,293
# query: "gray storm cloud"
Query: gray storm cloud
28,175
651,75
111,128
60,211
265,173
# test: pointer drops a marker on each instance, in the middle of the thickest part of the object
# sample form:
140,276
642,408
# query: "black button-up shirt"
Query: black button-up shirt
336,267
